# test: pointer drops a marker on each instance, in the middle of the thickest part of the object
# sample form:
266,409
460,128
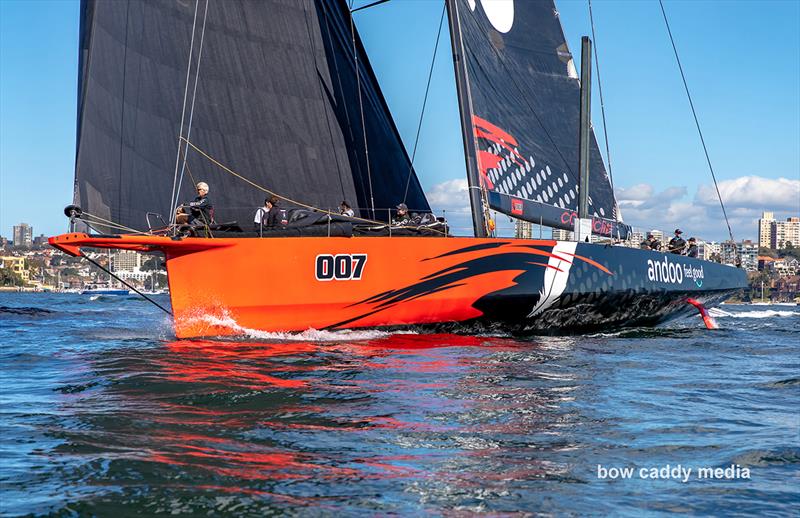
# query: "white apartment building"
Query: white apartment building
765,229
783,232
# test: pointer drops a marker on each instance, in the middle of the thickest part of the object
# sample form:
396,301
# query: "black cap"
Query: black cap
678,231
402,206
649,236
692,239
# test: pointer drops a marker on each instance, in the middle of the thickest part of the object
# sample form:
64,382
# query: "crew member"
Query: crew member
261,214
199,212
653,243
692,250
345,209
273,218
677,244
402,218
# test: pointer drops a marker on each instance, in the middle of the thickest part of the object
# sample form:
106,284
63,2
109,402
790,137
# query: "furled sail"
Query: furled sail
520,108
266,87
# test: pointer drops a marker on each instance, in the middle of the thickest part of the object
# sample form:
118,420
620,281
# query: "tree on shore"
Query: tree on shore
10,278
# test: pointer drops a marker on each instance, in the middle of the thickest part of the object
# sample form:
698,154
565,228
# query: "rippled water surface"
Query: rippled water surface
104,412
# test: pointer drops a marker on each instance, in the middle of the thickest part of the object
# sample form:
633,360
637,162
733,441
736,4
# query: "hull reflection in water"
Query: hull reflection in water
258,416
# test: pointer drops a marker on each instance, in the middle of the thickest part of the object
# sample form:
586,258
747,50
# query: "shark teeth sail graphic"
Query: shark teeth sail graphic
555,277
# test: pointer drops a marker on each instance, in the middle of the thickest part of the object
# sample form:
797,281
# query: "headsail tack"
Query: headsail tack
522,94
276,101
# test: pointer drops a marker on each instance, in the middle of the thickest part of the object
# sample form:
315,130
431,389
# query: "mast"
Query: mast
583,157
465,102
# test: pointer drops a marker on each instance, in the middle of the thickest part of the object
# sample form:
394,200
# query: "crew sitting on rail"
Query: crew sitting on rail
345,209
402,218
677,244
261,215
692,250
199,212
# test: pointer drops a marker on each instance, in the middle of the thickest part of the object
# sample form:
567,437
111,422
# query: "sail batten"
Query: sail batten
276,101
523,108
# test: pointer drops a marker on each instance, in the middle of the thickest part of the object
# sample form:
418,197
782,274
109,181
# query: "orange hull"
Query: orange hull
229,286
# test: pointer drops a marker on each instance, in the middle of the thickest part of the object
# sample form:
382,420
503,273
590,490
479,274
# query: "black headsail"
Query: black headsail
520,97
276,101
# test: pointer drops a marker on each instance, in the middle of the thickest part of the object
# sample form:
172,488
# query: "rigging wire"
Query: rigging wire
602,104
373,4
174,204
361,107
424,103
696,121
162,308
183,110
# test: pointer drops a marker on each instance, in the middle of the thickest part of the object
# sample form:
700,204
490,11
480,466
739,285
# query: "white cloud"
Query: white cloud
450,195
636,193
744,199
753,192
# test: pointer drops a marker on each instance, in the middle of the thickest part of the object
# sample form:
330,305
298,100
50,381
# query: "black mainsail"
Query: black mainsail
519,96
276,100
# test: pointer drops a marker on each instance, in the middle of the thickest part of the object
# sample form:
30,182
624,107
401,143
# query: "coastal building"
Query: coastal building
126,261
748,252
127,265
765,229
39,241
23,235
783,232
637,236
787,288
17,265
562,235
745,251
523,229
708,249
784,267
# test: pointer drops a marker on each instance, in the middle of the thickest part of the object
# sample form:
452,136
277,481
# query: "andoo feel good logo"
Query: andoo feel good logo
673,273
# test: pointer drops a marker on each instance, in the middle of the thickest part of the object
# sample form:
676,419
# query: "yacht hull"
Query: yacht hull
233,286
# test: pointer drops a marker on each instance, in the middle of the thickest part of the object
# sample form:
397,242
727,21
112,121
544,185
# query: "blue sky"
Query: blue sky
742,61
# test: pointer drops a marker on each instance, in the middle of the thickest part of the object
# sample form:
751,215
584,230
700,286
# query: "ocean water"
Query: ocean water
103,412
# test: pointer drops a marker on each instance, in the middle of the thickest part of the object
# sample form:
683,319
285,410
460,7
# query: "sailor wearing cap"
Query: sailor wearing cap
402,217
677,244
692,250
